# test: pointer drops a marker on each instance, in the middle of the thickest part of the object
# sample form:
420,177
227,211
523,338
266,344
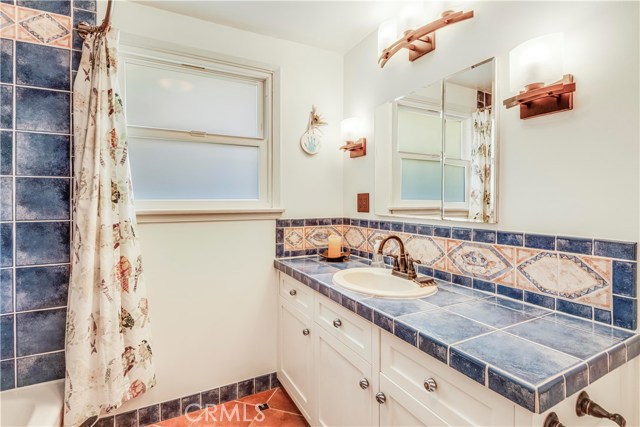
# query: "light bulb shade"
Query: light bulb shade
351,129
387,34
411,17
538,60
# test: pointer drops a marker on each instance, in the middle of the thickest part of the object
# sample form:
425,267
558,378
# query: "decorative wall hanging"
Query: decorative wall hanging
312,138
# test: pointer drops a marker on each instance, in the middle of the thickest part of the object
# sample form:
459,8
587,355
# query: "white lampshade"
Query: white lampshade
351,129
387,34
411,17
538,60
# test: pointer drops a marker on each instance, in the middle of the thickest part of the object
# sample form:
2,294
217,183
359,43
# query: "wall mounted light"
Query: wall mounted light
533,66
351,130
420,41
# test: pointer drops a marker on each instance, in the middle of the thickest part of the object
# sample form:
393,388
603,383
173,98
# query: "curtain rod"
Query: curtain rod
84,28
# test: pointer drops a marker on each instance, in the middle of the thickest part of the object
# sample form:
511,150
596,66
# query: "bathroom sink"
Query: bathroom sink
380,282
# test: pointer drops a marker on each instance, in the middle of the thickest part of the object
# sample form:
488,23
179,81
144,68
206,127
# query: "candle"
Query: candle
335,246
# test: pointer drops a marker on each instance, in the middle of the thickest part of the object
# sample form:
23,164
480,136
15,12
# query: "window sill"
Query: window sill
150,216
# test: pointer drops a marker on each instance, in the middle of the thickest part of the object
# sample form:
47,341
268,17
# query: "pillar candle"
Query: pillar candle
335,246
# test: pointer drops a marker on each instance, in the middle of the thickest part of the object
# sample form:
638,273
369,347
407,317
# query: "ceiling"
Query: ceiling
333,25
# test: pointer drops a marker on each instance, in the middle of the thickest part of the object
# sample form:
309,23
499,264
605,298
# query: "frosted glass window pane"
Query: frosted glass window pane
453,138
193,170
421,180
186,101
419,132
454,183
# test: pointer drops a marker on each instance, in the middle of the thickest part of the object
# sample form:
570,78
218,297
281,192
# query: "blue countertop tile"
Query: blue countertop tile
490,313
398,307
445,327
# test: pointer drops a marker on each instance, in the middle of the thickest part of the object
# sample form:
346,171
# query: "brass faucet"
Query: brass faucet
403,263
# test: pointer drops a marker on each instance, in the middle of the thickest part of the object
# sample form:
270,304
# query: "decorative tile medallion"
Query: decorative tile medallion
293,239
424,249
318,237
7,21
36,26
576,278
355,238
478,260
541,271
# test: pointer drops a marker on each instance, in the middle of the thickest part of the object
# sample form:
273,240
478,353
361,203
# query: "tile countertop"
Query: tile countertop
532,356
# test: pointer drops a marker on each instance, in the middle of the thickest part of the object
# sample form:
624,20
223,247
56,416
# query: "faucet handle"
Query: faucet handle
396,264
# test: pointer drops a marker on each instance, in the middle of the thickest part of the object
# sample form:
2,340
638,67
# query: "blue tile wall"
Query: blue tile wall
35,164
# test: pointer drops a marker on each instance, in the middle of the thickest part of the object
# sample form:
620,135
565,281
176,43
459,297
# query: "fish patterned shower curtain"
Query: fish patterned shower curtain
481,201
108,341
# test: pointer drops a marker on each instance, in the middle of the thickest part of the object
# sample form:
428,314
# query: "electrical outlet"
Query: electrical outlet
363,202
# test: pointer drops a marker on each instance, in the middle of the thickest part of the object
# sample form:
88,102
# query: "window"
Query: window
200,131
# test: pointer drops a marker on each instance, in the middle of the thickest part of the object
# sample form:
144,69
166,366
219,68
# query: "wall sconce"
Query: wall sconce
532,66
419,42
351,129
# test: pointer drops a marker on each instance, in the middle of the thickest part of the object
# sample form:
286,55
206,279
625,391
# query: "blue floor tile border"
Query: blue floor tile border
624,307
542,390
182,405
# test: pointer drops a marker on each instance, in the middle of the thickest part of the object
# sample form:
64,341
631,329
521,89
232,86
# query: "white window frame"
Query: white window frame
144,51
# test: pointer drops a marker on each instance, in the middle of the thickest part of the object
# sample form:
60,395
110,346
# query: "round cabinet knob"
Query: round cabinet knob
380,397
430,385
305,331
337,323
293,292
364,383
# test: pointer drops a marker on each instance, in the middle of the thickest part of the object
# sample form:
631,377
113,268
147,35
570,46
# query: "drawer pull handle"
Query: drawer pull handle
380,397
337,323
586,406
364,383
430,385
305,332
293,292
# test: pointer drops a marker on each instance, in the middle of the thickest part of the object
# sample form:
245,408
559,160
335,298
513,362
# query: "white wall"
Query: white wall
573,173
212,285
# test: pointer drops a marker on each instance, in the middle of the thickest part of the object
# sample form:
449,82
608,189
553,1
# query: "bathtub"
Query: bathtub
38,405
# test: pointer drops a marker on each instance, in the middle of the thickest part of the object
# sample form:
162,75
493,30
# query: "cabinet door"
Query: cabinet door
400,409
295,359
341,401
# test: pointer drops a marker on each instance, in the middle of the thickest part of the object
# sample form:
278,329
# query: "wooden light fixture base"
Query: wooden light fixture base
356,149
543,100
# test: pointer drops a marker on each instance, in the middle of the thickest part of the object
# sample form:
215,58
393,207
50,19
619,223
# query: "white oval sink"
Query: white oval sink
380,282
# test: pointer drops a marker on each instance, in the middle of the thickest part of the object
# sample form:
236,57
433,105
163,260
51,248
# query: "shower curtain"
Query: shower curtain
108,345
481,200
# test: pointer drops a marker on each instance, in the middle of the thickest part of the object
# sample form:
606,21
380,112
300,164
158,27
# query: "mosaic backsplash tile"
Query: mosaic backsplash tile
39,54
590,278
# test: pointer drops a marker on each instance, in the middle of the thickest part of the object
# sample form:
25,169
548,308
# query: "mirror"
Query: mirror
435,150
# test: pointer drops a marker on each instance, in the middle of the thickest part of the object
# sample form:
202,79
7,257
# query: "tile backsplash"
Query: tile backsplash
39,55
590,278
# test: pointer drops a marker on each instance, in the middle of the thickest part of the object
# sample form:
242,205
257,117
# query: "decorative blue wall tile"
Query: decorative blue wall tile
602,316
6,61
625,278
274,380
442,275
397,227
6,153
42,198
540,300
61,7
42,243
578,246
442,232
85,4
485,236
189,404
461,233
539,241
6,245
263,383
7,375
42,110
40,331
410,228
80,15
40,368
39,154
246,388
170,409
228,392
42,66
149,415
612,249
103,422
6,290
511,239
425,230
510,292
283,223
6,337
128,419
576,379
41,287
625,312
462,280
6,202
6,107
484,286
574,308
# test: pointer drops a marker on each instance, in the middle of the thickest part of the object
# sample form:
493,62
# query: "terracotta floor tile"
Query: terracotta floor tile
258,398
230,414
175,422
281,400
275,418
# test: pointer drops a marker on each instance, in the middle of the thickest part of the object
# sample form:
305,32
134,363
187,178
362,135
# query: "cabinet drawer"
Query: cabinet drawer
457,399
297,294
346,326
